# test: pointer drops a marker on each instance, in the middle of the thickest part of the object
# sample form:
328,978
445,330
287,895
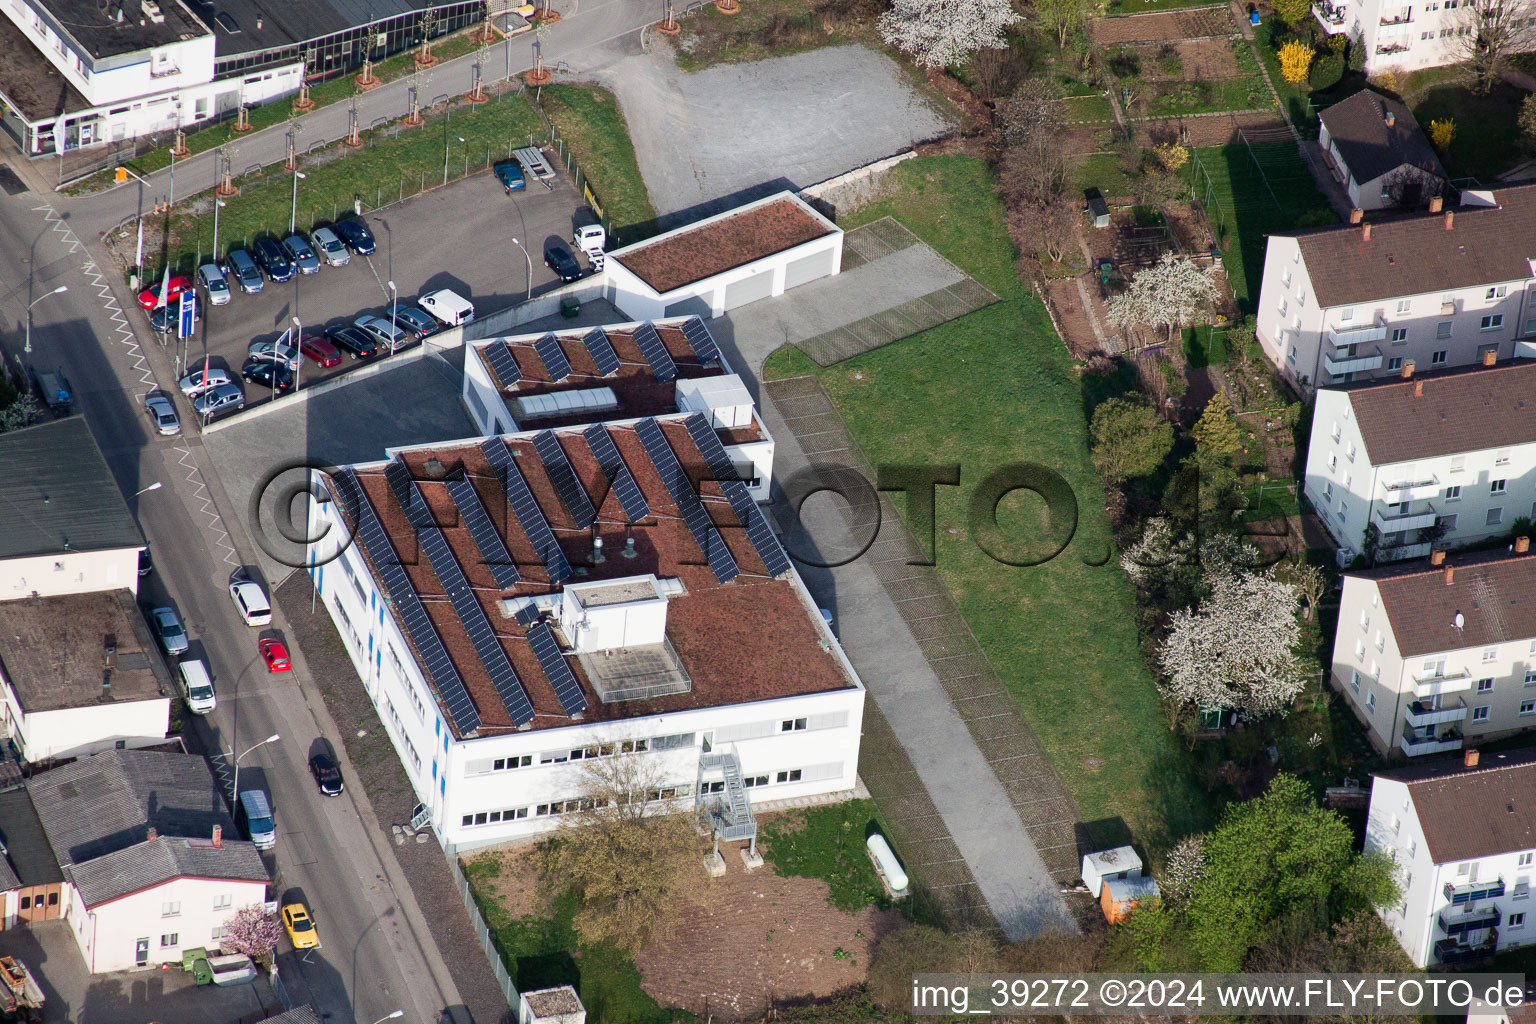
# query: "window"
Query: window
1501,457
1516,920
1349,452
1524,860
792,725
1527,707
1359,650
1365,619
1346,315
1399,335
170,908
1485,686
1437,358
1381,641
753,781
1496,486
1404,305
1328,491
1490,654
1481,714
1375,669
791,776
167,941
1286,277
1354,680
1495,517
502,764
1530,677
1283,305
1496,292
1453,493
1449,522
1395,363
219,934
1491,323
1370,703
224,902
1458,463
1443,329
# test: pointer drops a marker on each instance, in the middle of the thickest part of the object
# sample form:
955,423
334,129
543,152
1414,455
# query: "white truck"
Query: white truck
589,240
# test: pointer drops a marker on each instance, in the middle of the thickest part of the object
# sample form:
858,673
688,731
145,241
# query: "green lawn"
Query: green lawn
590,121
1487,141
1089,107
828,843
1103,172
1244,92
1299,101
385,168
997,388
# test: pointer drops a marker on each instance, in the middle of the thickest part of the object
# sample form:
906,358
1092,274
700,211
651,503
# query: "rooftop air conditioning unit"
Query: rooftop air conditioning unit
153,13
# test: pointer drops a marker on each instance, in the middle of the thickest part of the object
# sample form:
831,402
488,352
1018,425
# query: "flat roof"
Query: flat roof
553,1002
29,83
288,24
52,651
94,25
722,243
620,592
57,494
752,638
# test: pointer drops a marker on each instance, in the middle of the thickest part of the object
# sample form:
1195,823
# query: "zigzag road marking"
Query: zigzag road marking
215,524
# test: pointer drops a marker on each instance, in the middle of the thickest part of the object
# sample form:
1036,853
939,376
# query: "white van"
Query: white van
197,687
448,306
256,816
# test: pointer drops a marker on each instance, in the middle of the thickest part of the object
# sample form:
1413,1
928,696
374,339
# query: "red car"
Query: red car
275,655
322,352
149,298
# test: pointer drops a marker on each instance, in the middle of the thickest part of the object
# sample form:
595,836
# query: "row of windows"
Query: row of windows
674,741
172,908
574,804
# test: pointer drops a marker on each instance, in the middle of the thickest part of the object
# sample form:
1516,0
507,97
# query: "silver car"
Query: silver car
222,399
385,332
194,383
302,254
168,627
278,351
214,283
331,247
163,415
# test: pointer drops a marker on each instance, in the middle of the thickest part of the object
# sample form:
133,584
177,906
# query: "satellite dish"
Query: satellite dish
1459,621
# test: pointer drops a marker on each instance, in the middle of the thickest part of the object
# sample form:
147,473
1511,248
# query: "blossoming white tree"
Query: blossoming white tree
252,931
1168,294
1237,650
944,33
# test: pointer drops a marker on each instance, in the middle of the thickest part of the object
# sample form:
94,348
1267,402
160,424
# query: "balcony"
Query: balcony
1387,522
1460,895
1456,923
1413,490
1403,552
1449,951
1392,48
1341,337
1331,16
1432,685
1406,18
1442,741
1351,363
1424,712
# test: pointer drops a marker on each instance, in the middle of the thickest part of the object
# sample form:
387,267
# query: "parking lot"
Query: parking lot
459,237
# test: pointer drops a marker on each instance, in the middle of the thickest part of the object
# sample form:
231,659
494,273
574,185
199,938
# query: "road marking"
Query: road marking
215,524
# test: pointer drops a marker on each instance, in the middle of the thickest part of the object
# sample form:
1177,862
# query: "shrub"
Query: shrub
1295,61
1327,71
1169,62
1442,131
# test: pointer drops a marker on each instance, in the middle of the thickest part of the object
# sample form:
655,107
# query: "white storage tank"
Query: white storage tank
886,863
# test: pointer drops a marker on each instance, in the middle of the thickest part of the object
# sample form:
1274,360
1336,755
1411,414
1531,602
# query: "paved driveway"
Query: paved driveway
788,122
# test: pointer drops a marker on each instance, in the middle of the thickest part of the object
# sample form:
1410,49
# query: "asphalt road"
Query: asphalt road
373,961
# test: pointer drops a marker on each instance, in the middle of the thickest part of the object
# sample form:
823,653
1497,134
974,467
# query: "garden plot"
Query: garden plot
1197,23
1190,76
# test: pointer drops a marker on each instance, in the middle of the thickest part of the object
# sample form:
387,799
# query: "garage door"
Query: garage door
749,289
689,307
808,268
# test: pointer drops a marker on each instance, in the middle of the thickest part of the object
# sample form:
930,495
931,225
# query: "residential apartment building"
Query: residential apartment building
1406,36
1446,457
1375,149
1432,655
1464,841
1437,290
522,606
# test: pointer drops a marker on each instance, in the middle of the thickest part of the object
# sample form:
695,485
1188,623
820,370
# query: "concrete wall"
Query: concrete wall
851,190
70,572
80,732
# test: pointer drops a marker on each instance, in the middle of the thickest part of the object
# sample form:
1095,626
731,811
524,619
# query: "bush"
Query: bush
1295,61
1326,72
1169,62
1441,132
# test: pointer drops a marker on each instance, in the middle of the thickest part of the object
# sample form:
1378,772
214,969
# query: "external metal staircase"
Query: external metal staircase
732,816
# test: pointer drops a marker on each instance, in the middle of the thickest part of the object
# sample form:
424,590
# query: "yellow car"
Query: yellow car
300,926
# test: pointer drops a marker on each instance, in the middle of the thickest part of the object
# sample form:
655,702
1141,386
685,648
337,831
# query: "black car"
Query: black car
327,775
357,236
273,260
559,259
357,343
263,371
167,319
146,562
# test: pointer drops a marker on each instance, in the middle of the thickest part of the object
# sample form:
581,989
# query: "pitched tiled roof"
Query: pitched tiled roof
159,860
1463,410
1372,147
1468,813
1417,255
26,846
1495,594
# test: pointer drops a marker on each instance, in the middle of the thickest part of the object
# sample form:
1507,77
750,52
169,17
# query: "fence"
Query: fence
482,931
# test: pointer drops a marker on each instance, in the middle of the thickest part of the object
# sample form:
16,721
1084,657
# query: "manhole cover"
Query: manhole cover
13,185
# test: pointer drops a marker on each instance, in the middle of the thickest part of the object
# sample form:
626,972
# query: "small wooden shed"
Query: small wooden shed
1114,877
1098,209
1120,896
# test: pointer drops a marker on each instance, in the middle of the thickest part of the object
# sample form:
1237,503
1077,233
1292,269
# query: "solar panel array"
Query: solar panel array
399,479
529,516
472,617
547,650
619,477
655,352
700,340
601,351
450,685
500,358
553,357
528,614
758,531
493,552
693,511
563,476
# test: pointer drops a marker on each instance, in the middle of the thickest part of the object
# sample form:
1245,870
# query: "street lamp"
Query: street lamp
393,302
446,141
270,739
218,204
123,174
530,267
391,1016
293,220
298,346
152,487
61,289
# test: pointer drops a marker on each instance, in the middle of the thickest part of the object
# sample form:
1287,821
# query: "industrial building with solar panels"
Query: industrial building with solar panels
593,578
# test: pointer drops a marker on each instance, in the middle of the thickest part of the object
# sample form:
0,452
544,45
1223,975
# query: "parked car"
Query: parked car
167,319
197,686
331,247
448,306
357,236
194,383
218,400
321,352
302,254
327,775
267,374
386,333
56,391
214,283
250,600
243,270
510,174
300,926
418,322
150,297
275,654
559,259
169,630
162,415
281,350
356,343
272,259
146,562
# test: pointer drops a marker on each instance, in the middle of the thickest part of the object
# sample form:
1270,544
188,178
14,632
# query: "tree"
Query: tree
1441,132
23,412
1356,59
1129,438
1238,650
1527,119
253,932
1216,432
1295,61
944,33
1062,17
1167,294
1045,230
1184,869
1171,155
1293,12
632,861
1033,116
1310,583
1488,31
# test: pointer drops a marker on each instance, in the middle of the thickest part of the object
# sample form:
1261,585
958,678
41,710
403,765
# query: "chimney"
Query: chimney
1469,759
218,837
152,834
1490,357
1356,215
1522,545
1418,389
1365,232
1450,575
1435,204
1391,119
1437,558
1408,369
1450,216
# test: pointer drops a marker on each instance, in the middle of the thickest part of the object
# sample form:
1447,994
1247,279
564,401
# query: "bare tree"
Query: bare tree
1033,114
1488,32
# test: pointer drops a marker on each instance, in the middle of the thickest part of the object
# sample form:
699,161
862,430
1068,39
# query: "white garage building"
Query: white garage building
706,268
